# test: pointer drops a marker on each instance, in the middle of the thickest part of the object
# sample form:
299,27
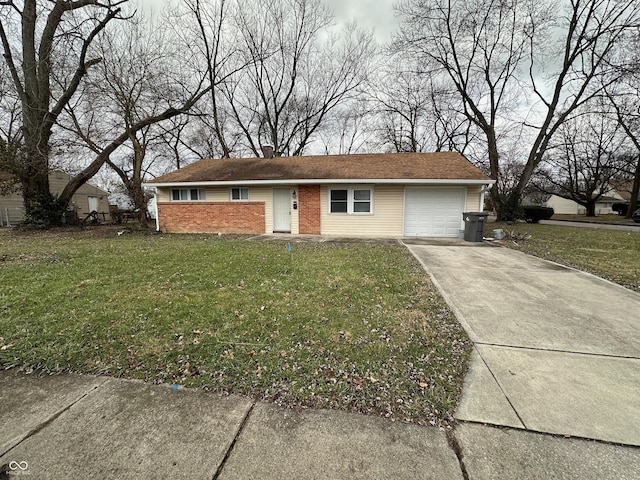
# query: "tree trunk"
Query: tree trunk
42,209
635,190
509,208
136,193
590,206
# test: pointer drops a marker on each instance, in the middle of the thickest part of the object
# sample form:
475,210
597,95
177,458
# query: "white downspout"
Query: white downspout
483,193
155,198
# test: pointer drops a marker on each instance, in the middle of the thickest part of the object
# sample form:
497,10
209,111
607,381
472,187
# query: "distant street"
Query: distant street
605,226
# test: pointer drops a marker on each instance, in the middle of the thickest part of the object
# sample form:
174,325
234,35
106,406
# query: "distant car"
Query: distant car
636,216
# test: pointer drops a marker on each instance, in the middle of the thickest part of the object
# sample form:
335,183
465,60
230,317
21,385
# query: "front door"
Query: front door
282,210
93,204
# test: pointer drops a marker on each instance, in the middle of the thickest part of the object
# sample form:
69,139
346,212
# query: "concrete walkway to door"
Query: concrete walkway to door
556,350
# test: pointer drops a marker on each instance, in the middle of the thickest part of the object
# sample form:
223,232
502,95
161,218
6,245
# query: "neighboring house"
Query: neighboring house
371,195
87,199
564,206
622,190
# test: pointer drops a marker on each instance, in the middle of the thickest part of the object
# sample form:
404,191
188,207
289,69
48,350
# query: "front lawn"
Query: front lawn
357,327
610,254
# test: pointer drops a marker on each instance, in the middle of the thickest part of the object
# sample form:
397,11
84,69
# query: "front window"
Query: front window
362,201
350,200
187,194
239,194
339,201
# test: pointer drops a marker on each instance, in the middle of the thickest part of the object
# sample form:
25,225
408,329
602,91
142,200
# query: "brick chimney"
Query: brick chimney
267,151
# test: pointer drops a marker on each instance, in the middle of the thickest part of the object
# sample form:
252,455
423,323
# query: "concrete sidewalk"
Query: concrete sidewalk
621,227
85,427
556,350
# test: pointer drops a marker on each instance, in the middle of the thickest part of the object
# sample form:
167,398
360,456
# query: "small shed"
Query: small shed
87,199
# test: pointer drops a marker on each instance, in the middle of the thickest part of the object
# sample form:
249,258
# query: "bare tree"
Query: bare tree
493,53
297,72
215,47
347,131
44,29
624,96
589,153
416,111
10,132
48,64
137,77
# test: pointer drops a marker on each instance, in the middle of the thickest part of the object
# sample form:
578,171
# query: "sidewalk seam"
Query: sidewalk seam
53,417
452,440
555,350
234,441
500,387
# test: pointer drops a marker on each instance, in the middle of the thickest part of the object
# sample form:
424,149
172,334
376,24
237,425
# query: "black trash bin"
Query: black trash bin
474,226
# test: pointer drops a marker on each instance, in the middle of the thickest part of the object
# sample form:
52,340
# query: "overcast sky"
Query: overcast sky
376,15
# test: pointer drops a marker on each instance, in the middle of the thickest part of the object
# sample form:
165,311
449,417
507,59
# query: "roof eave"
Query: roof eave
325,181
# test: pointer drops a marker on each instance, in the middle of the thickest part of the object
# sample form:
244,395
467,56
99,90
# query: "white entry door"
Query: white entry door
93,204
282,210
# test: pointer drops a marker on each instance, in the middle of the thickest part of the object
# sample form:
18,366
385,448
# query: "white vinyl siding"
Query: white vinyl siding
385,221
474,197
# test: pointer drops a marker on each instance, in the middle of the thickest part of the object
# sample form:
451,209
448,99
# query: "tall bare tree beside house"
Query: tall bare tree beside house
10,131
347,131
416,111
298,72
624,96
138,76
48,50
206,29
33,35
588,152
496,52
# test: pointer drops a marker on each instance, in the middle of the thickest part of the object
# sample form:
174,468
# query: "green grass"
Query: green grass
609,254
357,327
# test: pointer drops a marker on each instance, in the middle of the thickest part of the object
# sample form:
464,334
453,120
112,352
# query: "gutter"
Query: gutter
325,181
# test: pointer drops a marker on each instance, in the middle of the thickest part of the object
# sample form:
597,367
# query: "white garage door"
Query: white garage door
433,212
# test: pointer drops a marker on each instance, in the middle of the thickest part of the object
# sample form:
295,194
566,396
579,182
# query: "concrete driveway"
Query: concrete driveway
556,350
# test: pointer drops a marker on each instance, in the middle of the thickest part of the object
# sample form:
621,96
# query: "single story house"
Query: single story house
368,195
87,199
564,206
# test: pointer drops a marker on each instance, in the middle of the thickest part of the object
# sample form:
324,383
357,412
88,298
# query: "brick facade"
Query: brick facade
212,217
309,209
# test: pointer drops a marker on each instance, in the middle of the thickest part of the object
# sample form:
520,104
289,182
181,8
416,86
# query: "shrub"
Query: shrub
620,208
535,213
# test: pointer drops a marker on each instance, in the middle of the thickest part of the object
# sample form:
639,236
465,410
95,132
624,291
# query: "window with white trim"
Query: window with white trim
356,200
187,194
239,194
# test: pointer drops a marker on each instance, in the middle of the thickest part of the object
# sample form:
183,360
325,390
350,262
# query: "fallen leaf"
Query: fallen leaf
423,384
